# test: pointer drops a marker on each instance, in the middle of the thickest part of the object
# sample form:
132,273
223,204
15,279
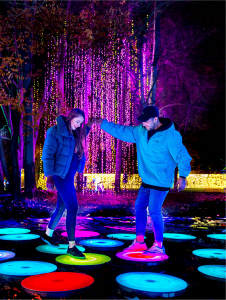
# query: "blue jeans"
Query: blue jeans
66,199
154,200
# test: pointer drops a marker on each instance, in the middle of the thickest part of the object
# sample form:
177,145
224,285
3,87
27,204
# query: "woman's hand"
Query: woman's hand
91,121
50,182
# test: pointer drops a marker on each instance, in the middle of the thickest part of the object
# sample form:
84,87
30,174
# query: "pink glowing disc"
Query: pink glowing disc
139,256
80,233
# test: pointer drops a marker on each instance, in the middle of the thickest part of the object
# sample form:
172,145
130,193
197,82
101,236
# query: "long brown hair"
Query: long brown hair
80,135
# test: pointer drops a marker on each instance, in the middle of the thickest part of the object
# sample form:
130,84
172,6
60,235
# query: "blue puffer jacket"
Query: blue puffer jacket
58,150
158,156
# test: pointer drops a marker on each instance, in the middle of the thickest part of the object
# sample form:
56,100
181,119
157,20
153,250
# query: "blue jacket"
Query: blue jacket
58,150
158,156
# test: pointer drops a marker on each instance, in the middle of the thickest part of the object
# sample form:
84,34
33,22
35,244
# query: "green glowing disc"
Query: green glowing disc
91,259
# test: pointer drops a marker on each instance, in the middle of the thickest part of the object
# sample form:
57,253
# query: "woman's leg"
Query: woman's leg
56,215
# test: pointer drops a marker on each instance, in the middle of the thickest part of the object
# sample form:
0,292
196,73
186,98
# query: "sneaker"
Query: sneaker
49,240
74,252
155,250
136,246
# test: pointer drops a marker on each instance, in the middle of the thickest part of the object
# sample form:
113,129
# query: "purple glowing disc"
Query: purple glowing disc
140,256
4,255
80,233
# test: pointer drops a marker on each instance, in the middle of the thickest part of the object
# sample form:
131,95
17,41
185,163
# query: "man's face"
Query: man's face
150,124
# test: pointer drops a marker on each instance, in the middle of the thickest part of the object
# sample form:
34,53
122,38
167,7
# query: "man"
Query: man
159,151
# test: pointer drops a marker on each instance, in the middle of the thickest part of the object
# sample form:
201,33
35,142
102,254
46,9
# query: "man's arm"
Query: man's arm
121,132
181,156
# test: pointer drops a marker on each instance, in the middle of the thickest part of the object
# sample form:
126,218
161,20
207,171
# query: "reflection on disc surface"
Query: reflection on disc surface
142,257
101,243
152,282
62,249
218,236
19,237
26,268
4,255
217,271
91,259
210,253
123,236
13,230
82,233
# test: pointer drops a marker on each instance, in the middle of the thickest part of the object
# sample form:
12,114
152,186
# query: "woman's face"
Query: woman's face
76,122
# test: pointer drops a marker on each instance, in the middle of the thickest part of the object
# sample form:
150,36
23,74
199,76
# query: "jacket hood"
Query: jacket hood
62,128
166,124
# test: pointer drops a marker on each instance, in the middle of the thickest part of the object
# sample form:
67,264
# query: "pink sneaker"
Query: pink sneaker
136,246
155,250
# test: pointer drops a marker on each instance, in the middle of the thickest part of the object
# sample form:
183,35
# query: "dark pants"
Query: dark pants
66,199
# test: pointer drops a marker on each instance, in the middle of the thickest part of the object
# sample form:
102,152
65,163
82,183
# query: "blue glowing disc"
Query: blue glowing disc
26,268
123,236
152,284
218,236
213,271
101,244
4,255
13,230
19,237
210,253
178,237
62,249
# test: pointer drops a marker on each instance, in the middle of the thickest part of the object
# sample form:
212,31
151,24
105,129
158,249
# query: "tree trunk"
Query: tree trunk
15,191
60,77
1,179
118,166
154,71
141,43
3,161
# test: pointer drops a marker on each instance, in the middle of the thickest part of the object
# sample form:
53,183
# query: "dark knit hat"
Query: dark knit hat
148,112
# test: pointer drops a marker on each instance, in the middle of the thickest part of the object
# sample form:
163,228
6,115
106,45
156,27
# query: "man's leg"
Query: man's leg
141,220
156,200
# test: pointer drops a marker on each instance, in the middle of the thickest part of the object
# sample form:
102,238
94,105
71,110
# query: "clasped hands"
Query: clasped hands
92,121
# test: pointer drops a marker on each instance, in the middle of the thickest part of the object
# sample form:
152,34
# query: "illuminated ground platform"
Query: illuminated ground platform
19,237
210,255
62,249
215,272
57,284
123,236
91,261
142,258
178,238
102,244
25,268
14,230
152,284
82,233
4,255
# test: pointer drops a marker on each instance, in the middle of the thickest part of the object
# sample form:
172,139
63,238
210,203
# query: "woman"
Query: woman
63,154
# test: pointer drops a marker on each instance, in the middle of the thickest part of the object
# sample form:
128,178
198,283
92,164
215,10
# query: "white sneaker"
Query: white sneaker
155,250
136,246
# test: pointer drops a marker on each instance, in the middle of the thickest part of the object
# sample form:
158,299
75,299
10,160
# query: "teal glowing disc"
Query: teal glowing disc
26,268
13,230
152,284
213,271
102,244
218,236
62,249
19,237
4,255
210,253
91,259
123,236
178,237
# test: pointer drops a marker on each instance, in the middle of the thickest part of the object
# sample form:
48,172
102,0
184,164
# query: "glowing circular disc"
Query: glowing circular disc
62,249
178,237
213,271
4,255
90,260
13,230
57,284
152,284
210,253
123,236
80,233
19,237
218,236
139,256
26,268
102,244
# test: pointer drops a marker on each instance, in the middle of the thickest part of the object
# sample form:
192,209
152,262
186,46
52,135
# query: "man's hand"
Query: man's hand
181,184
50,182
91,121
98,121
